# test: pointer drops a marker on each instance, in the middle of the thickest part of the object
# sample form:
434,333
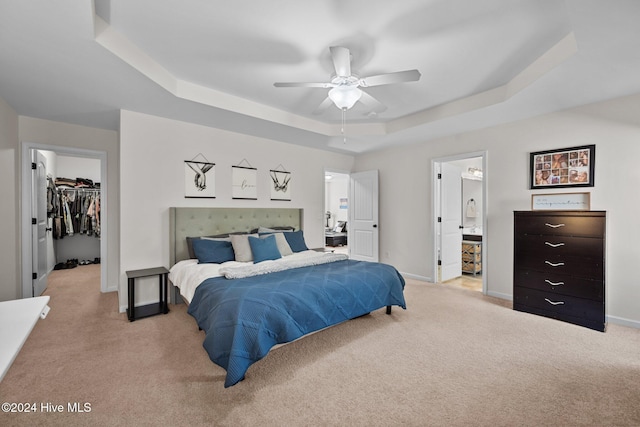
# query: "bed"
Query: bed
286,291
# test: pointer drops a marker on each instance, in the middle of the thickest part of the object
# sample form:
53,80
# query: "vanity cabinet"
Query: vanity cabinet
559,265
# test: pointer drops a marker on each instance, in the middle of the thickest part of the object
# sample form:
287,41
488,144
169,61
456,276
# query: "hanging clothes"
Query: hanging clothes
75,210
67,200
52,198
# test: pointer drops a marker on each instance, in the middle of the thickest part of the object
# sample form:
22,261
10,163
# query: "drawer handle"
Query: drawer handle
554,302
554,264
553,225
554,245
553,283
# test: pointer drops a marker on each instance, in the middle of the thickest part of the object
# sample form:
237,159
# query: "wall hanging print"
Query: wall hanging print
199,178
244,181
567,167
562,201
280,184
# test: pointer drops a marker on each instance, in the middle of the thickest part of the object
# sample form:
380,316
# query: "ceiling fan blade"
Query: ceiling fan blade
371,103
303,84
341,60
323,106
385,79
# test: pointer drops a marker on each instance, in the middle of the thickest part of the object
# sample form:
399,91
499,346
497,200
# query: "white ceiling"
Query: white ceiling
214,63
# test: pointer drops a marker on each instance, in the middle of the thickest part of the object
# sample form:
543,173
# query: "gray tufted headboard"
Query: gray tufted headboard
194,222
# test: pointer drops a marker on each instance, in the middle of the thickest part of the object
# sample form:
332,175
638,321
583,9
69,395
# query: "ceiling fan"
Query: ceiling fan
345,87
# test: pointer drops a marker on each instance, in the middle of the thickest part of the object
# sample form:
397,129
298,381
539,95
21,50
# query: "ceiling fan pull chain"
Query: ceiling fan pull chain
344,136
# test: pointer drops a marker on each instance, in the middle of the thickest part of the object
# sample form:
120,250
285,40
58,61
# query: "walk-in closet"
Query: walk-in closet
73,210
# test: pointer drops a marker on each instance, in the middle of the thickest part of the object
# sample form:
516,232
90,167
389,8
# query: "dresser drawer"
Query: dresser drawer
559,305
568,265
587,247
578,225
560,284
598,324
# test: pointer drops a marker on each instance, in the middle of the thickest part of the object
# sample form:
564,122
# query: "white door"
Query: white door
39,226
451,222
362,227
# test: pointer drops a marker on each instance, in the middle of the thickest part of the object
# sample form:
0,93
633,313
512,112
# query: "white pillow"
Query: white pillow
283,245
241,247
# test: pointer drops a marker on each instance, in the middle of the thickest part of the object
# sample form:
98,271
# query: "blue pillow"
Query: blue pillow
213,251
296,241
264,248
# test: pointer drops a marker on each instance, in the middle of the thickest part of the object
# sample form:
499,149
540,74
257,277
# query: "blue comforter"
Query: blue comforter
244,318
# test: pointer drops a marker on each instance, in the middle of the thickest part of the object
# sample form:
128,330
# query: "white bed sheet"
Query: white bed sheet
187,275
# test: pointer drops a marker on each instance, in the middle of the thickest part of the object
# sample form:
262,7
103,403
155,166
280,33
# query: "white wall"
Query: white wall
152,155
613,126
78,167
10,243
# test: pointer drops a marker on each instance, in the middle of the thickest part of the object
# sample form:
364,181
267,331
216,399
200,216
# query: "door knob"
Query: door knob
375,225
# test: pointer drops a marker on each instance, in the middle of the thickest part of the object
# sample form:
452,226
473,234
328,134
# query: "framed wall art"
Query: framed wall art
199,178
566,167
561,201
244,182
280,183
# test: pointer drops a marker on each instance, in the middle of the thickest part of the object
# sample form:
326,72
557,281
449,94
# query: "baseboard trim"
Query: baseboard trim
417,277
500,295
623,322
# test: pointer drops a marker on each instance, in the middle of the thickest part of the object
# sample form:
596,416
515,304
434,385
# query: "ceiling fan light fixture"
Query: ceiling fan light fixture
345,97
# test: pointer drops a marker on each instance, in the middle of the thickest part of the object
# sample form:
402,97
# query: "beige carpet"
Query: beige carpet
453,358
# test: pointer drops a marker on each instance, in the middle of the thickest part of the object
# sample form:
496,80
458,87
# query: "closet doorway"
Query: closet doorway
459,194
336,203
87,174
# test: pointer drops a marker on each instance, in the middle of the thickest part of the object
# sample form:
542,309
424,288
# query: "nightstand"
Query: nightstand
161,307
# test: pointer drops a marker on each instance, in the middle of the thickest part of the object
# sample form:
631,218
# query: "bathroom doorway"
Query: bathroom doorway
460,222
336,202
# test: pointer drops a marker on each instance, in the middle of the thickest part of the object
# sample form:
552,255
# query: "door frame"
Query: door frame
435,203
25,208
324,198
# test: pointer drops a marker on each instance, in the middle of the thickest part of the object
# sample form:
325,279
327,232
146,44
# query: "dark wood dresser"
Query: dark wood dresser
559,265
